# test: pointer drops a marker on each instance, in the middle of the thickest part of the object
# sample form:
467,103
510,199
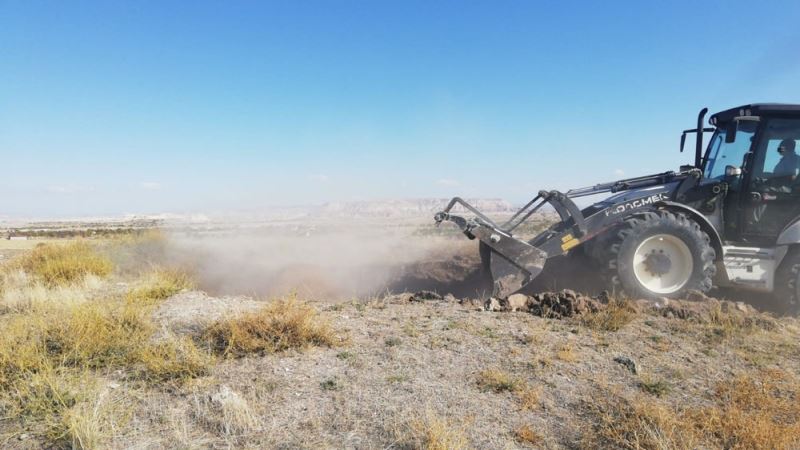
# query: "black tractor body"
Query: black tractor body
731,218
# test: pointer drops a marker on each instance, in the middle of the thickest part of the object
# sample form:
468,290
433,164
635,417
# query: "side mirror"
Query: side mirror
732,171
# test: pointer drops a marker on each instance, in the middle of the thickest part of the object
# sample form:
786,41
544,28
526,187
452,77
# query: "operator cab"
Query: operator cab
754,151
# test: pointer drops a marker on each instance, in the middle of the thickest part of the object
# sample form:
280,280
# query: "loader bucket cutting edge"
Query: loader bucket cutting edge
508,277
513,263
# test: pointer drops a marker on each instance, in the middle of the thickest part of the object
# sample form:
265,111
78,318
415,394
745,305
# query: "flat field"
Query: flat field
135,342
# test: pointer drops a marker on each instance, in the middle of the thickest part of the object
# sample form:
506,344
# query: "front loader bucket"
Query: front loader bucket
513,263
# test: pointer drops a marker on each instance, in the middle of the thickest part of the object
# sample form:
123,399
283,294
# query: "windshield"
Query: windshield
721,153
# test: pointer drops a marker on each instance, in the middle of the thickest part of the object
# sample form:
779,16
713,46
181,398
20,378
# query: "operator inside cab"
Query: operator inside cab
789,162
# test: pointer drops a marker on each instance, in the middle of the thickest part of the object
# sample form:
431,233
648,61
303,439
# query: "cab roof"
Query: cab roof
756,109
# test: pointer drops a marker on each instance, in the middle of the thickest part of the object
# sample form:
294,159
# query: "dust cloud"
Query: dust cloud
334,262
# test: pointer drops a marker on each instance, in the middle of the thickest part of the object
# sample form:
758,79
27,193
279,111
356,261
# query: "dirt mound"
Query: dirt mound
700,308
566,303
696,307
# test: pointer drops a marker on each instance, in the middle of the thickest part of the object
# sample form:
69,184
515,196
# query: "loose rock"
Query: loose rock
492,304
628,363
425,295
566,303
516,302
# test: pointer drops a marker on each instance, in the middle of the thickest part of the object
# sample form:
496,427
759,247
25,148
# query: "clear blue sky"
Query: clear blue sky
152,106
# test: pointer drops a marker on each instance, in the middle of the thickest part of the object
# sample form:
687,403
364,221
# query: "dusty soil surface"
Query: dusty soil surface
190,312
406,356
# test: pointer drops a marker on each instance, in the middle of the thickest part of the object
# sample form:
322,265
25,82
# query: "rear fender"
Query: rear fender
705,224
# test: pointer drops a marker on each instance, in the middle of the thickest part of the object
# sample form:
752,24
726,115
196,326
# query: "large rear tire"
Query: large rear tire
661,254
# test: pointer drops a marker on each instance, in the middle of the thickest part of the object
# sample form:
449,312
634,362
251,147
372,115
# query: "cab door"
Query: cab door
722,155
771,196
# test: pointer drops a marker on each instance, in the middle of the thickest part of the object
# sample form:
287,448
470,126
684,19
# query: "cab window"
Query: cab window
779,161
722,154
774,191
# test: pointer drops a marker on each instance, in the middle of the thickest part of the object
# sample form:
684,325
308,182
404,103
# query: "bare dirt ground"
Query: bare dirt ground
433,371
406,359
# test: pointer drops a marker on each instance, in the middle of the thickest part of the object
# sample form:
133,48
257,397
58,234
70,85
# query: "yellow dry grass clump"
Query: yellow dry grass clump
528,397
159,285
496,380
281,325
751,411
759,410
51,351
566,352
172,359
47,359
613,317
526,435
57,265
432,432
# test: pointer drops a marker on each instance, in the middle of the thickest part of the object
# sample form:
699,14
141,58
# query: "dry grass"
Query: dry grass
750,411
89,423
282,325
529,397
91,336
617,314
760,410
526,435
496,380
659,388
224,412
58,341
23,294
173,359
566,353
160,285
432,432
52,275
724,322
637,424
58,265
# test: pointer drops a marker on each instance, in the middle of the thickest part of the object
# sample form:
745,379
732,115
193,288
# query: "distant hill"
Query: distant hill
407,207
392,208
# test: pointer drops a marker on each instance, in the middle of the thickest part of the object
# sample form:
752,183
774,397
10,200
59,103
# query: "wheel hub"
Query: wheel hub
657,263
662,264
